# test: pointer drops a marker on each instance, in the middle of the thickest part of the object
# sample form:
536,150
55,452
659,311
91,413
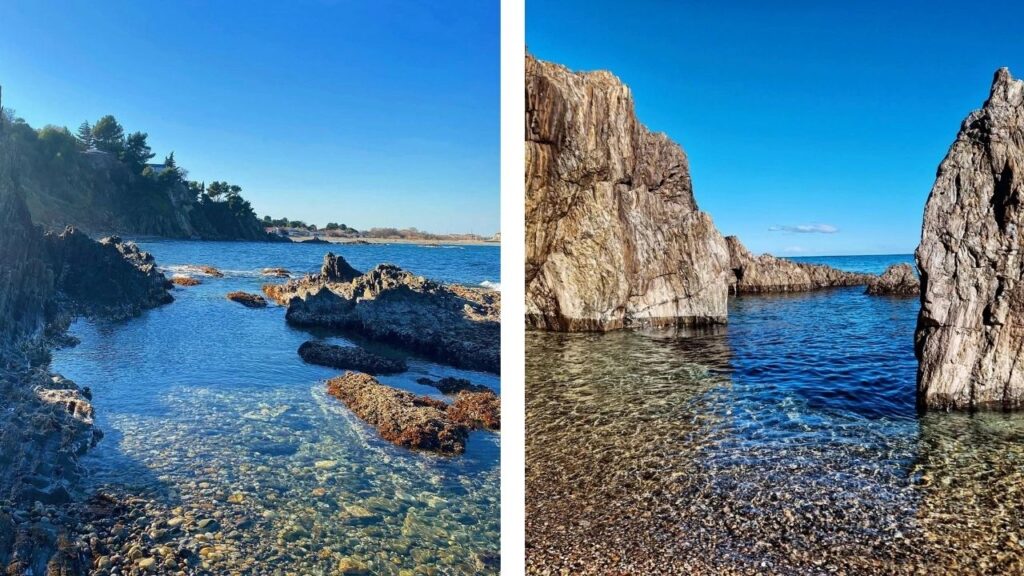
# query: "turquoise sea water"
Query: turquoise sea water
207,407
786,442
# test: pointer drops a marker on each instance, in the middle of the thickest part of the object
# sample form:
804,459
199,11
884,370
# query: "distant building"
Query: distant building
156,168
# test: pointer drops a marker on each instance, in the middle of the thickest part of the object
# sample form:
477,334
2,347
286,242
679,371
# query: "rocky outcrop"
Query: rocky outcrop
185,281
400,417
248,300
276,272
349,358
614,237
766,273
449,324
970,330
897,280
334,270
46,421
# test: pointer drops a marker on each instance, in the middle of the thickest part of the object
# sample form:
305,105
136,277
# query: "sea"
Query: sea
786,442
208,411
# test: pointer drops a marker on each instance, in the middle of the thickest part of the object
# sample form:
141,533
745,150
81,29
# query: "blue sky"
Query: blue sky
812,127
382,113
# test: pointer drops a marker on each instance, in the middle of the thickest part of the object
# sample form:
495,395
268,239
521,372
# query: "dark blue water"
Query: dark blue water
785,442
208,408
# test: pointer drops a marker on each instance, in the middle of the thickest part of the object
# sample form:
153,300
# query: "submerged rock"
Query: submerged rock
450,324
477,410
970,331
185,281
276,272
897,280
614,237
400,417
449,385
766,273
248,300
349,358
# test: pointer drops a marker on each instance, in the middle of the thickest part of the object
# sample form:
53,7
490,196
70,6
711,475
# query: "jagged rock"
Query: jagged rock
454,325
766,273
897,280
400,417
349,358
248,300
970,331
477,410
614,237
449,385
334,269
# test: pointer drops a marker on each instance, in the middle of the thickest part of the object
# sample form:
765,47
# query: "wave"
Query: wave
496,286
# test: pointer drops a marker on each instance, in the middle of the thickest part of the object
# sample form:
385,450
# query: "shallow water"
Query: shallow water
207,407
784,443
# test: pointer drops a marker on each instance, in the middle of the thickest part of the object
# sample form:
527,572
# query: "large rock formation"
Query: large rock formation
614,237
766,273
970,331
450,324
897,280
46,421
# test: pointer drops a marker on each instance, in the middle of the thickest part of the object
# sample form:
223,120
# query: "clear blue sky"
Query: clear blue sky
798,113
379,113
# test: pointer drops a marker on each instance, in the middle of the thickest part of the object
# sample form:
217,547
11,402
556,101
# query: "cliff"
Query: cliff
766,273
614,237
62,185
970,330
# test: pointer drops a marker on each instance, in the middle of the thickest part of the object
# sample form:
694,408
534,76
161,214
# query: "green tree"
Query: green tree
108,135
85,135
136,151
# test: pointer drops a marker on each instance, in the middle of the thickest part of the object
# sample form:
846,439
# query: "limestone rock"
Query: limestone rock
400,417
897,280
614,237
349,358
970,330
450,324
766,273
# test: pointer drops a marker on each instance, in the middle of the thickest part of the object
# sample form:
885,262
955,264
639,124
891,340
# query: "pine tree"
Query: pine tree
85,135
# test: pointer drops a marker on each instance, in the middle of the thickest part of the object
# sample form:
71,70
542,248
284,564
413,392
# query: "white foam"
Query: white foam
496,286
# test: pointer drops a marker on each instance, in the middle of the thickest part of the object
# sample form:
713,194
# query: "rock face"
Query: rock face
766,273
614,237
970,330
447,323
349,358
897,280
400,417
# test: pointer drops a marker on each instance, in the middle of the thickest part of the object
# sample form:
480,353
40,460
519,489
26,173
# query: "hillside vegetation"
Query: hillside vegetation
102,181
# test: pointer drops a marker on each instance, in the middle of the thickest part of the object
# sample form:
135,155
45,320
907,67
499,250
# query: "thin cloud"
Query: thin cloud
806,229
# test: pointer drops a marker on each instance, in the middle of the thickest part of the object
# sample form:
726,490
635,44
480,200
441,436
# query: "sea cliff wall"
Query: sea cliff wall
614,237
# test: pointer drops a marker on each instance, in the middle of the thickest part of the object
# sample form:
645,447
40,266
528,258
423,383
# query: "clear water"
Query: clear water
207,407
784,443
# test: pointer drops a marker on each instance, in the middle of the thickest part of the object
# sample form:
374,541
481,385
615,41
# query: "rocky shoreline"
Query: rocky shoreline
46,421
